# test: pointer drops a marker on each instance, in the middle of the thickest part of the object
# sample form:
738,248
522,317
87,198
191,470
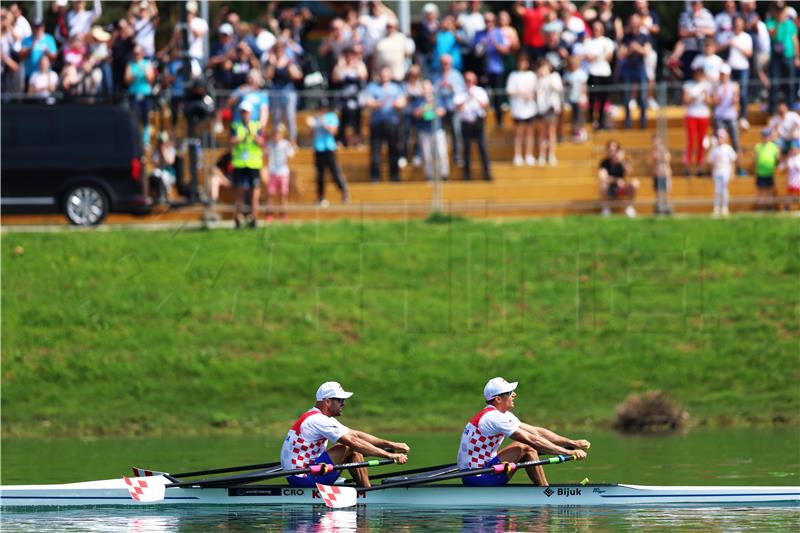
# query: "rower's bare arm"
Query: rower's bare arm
554,437
383,443
542,445
354,441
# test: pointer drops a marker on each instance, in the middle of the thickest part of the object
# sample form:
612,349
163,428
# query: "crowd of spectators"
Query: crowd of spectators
428,94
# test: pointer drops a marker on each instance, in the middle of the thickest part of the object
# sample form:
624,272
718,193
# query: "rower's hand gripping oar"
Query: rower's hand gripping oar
153,489
338,496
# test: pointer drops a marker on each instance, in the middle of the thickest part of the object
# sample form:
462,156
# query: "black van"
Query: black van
81,160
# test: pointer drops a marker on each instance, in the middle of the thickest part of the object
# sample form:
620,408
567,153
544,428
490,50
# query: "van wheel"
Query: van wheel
85,205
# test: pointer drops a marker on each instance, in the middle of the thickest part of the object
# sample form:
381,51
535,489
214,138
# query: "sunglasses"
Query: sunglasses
340,400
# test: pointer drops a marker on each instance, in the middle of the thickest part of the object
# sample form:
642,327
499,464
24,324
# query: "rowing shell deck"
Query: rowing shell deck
115,492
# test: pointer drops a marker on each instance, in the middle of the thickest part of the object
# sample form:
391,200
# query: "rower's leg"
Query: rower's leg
519,452
340,453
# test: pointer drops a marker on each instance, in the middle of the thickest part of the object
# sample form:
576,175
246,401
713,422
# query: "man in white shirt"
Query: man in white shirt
483,434
471,104
392,52
307,438
80,20
198,28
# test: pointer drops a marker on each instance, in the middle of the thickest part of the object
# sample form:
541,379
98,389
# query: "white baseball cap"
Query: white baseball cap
496,387
226,29
246,106
332,389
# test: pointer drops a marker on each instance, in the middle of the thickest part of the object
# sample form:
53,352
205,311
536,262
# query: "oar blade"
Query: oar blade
337,496
146,489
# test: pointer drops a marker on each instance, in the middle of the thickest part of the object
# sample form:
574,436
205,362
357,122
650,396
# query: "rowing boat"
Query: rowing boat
114,492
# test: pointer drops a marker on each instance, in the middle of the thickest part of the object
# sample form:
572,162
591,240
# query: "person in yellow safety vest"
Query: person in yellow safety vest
247,160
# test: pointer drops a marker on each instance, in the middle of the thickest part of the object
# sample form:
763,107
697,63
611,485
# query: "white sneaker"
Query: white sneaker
417,161
542,161
606,211
744,124
652,104
715,212
630,212
530,160
724,212
324,203
552,161
402,162
518,161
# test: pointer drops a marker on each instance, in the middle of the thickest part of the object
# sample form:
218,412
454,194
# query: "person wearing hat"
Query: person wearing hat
220,58
306,441
247,160
484,433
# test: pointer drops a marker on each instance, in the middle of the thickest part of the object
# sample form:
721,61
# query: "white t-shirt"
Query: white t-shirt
710,65
145,35
279,154
523,106
41,82
763,39
722,158
736,59
471,23
314,428
698,92
474,104
599,48
548,93
198,28
788,127
391,51
80,22
373,30
22,28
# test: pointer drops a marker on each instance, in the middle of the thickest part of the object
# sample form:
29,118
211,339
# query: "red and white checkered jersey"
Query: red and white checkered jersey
308,437
483,435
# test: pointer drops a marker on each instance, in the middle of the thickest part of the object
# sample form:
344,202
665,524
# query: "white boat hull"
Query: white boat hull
114,492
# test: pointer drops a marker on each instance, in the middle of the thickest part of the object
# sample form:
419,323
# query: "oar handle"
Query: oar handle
494,469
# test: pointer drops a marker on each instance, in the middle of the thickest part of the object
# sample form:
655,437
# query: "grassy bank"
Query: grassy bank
132,332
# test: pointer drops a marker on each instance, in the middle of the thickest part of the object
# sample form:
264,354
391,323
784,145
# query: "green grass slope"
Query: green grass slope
143,332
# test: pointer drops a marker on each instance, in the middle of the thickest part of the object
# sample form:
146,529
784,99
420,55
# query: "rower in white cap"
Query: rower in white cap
483,434
306,441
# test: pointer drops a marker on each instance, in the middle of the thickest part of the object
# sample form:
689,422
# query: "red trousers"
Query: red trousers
696,128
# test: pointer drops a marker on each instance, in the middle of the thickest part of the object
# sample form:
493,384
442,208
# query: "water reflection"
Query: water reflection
305,519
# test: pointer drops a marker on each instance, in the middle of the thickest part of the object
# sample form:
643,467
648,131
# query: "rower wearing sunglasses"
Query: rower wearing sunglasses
484,433
307,439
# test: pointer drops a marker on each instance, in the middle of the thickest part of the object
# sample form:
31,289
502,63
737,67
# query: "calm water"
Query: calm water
718,457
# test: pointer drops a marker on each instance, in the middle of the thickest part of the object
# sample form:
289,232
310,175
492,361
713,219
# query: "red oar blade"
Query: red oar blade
337,496
146,489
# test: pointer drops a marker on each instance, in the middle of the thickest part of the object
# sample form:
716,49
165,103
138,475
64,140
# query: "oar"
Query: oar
337,496
405,472
141,472
148,489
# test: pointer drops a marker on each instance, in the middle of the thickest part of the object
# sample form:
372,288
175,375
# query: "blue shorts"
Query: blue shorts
310,480
487,480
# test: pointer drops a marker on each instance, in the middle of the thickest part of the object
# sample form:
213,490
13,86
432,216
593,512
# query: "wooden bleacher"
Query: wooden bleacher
568,187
